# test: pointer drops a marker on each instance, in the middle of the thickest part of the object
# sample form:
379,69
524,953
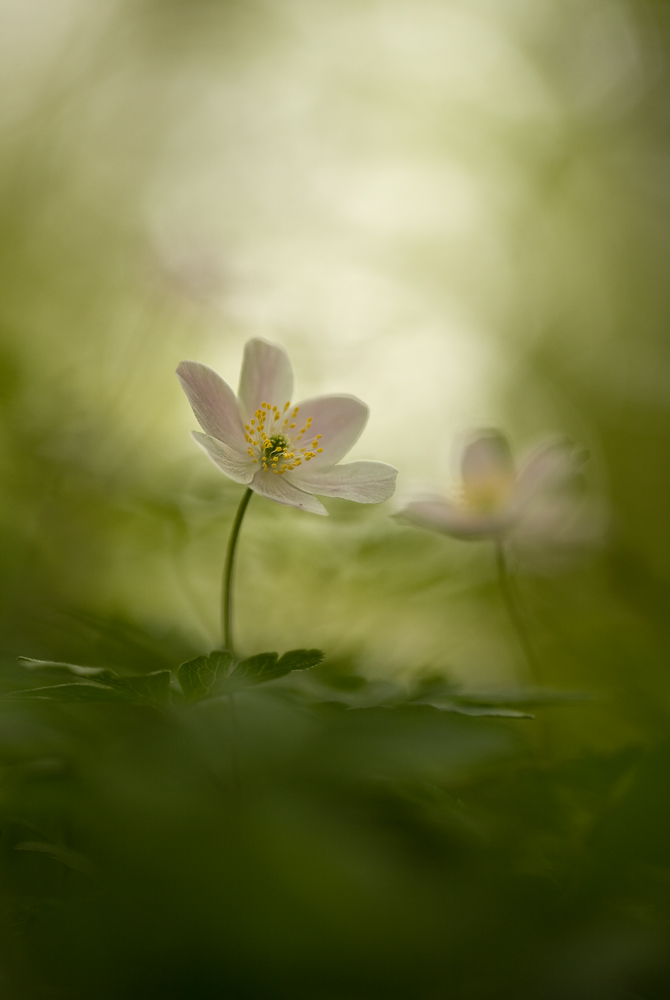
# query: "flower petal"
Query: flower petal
552,511
438,514
552,467
364,482
338,419
267,376
213,403
238,467
278,488
487,471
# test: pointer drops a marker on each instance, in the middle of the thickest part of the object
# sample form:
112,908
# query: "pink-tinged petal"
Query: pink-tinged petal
241,468
555,466
449,519
364,482
213,403
338,419
266,377
487,471
278,488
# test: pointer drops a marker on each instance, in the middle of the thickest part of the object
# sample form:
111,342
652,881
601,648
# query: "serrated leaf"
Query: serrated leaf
202,675
151,687
196,677
265,667
223,660
68,669
300,659
256,669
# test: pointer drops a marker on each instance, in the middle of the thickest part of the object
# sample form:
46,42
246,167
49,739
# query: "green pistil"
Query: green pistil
276,446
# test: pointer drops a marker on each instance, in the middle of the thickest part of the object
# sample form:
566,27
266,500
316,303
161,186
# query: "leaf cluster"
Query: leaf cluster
207,676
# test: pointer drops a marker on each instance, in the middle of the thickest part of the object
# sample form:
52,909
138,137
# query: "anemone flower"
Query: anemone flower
285,451
534,507
534,504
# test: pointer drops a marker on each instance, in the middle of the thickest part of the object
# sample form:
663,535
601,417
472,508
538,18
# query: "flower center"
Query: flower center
486,495
277,444
274,441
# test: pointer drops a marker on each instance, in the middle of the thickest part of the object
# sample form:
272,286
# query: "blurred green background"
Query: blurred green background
459,212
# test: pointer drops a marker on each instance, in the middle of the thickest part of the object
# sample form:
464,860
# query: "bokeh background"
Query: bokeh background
457,211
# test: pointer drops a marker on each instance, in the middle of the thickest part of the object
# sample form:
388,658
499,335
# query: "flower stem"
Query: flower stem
228,566
513,611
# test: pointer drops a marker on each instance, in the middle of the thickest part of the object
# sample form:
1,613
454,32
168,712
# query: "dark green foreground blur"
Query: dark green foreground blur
308,848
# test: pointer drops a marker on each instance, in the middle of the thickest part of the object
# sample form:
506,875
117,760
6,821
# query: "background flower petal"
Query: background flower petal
266,376
440,515
555,466
237,467
279,489
340,420
364,482
487,470
213,403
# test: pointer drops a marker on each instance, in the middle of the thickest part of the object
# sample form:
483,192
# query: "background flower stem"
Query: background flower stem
513,611
227,584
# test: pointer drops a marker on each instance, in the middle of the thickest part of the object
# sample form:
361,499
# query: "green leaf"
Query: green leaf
436,690
201,676
477,710
300,659
265,667
154,687
257,669
76,691
65,669
196,677
223,661
527,696
145,687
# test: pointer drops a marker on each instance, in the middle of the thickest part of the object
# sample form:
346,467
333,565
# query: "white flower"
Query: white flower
284,451
537,504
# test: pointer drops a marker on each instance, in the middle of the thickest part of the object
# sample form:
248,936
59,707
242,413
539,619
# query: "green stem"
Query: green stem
513,611
228,566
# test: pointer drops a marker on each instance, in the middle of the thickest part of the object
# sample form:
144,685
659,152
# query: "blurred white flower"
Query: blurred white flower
284,451
535,505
